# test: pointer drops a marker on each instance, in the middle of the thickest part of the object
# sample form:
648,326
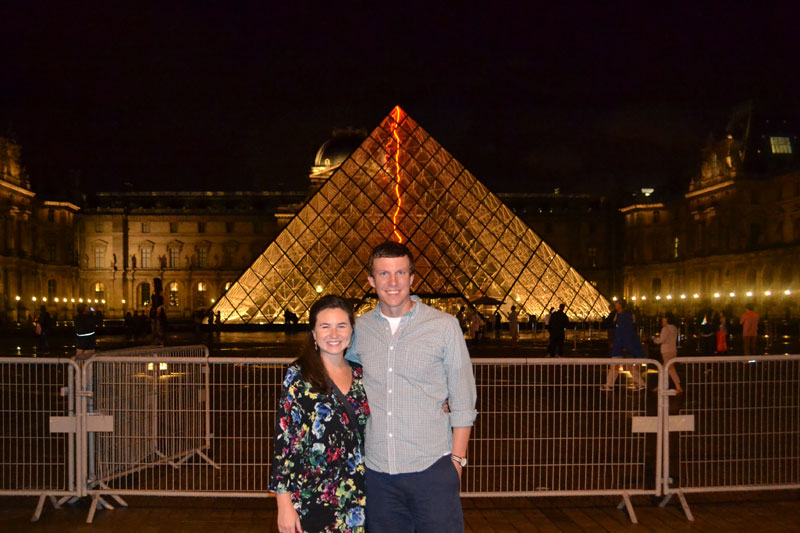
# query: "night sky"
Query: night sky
583,97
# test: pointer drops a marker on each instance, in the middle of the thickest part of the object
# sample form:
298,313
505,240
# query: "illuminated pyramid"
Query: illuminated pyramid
401,185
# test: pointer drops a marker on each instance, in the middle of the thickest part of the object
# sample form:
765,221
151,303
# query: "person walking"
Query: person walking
43,325
415,361
749,322
722,333
318,470
626,344
559,322
668,341
85,332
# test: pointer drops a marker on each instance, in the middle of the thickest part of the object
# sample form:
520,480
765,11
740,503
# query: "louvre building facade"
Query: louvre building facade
253,254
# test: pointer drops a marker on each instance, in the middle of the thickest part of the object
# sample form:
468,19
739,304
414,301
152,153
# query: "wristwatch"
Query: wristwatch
460,460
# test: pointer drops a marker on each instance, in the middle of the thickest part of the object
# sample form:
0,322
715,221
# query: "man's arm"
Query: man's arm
460,442
462,393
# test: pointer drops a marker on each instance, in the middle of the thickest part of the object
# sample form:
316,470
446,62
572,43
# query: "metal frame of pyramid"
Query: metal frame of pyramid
401,185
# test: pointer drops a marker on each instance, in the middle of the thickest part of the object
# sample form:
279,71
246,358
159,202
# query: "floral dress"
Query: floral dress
318,458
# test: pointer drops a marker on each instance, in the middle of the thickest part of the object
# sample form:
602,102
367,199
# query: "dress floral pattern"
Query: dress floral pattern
318,458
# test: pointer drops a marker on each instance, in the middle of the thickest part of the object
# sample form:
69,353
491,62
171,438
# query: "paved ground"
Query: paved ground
762,512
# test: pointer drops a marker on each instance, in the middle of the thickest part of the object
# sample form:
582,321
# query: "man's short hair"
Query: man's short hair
561,307
81,308
749,306
391,249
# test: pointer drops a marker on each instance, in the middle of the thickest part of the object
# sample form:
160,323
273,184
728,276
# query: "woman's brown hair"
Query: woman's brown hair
310,360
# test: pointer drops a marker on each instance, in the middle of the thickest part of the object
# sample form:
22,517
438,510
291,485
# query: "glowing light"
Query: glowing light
716,295
162,366
396,136
16,298
123,301
658,297
767,293
80,300
683,296
787,292
633,298
614,299
695,296
644,297
732,295
749,293
669,297
44,298
33,298
56,299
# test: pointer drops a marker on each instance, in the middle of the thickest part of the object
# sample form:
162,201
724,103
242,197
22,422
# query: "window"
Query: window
173,227
656,215
780,145
675,246
99,257
592,256
173,294
202,257
201,227
144,294
229,227
656,285
174,258
98,226
200,294
51,289
99,291
145,227
51,216
51,252
146,257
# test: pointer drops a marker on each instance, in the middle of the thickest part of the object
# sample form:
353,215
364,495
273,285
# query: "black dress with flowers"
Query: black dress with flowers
318,458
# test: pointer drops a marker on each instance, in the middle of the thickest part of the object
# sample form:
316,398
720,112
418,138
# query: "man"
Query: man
414,359
559,322
85,333
749,321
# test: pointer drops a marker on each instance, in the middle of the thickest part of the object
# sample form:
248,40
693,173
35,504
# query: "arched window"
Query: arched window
98,292
51,289
173,294
201,290
144,295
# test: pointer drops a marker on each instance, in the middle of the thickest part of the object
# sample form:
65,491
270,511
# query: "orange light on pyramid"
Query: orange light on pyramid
396,115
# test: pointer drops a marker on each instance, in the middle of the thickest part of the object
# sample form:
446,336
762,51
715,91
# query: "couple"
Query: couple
409,360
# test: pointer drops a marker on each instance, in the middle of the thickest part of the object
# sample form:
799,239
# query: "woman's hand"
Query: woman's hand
288,519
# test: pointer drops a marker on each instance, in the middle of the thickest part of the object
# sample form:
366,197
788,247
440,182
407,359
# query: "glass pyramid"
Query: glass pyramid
401,185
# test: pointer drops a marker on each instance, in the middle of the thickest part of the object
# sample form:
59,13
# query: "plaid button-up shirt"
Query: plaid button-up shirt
408,376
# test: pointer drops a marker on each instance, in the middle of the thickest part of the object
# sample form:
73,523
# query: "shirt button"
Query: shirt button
390,435
390,370
390,391
391,347
389,413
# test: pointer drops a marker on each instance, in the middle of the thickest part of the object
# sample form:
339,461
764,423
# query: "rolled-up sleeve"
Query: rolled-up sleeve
462,393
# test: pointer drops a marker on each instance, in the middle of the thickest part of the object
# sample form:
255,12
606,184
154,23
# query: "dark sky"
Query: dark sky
176,96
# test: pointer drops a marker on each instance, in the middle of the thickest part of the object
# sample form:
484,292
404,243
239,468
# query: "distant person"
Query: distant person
130,326
668,341
749,321
158,314
462,317
626,344
513,323
559,322
318,472
43,325
476,324
139,325
721,320
708,333
498,324
610,325
85,332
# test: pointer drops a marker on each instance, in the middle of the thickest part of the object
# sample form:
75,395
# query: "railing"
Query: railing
174,422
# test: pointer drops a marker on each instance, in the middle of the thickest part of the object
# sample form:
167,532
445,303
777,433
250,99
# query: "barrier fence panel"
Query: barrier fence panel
38,425
739,421
546,427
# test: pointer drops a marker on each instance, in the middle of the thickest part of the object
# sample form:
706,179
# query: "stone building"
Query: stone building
734,236
37,258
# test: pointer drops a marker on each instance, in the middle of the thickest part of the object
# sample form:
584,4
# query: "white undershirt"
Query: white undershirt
394,322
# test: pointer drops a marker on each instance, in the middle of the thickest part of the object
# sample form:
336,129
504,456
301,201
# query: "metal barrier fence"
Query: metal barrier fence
545,427
738,426
160,424
38,425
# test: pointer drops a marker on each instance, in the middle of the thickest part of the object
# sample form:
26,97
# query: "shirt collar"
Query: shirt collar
410,312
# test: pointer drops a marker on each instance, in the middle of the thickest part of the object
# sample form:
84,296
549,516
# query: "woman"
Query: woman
668,339
722,334
318,465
